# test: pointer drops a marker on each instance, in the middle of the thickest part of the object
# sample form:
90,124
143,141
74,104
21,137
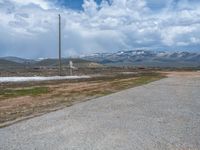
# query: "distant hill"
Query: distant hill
4,64
18,60
49,62
136,58
147,58
65,62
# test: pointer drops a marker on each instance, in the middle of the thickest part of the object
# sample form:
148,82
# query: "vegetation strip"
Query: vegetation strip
29,101
34,91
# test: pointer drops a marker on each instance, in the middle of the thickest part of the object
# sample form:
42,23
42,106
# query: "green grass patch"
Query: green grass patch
34,91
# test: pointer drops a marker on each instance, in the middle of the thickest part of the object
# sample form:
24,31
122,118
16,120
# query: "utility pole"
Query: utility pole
60,73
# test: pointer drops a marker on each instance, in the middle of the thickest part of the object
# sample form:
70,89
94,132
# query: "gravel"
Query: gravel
161,115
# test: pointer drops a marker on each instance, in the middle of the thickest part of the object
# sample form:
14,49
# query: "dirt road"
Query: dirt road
161,115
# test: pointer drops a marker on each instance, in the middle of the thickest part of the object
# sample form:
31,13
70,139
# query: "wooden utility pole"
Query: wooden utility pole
60,73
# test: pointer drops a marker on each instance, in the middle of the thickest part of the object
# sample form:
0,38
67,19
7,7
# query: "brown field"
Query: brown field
182,73
20,101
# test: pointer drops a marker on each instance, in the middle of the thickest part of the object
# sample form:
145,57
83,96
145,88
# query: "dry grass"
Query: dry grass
20,102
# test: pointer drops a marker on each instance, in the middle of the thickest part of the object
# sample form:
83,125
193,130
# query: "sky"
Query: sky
29,28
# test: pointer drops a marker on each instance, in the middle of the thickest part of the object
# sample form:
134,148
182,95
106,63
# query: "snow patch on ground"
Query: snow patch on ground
39,78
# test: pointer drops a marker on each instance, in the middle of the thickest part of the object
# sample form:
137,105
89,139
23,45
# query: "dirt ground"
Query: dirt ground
63,94
182,73
66,93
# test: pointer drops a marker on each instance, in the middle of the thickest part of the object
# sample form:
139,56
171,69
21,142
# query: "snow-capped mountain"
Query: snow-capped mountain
147,58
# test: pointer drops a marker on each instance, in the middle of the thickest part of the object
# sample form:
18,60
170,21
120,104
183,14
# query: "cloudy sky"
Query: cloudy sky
29,28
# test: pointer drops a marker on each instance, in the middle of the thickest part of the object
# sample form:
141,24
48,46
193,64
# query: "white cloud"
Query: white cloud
42,3
120,24
195,40
90,7
170,34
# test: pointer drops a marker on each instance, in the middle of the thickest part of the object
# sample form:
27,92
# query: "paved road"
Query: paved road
162,115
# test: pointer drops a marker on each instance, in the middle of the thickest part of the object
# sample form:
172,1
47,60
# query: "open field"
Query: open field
160,115
19,101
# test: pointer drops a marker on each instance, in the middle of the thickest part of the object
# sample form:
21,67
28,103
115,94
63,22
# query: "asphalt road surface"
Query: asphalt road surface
161,115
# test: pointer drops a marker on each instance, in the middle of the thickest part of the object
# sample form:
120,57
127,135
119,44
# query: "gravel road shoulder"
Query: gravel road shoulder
161,115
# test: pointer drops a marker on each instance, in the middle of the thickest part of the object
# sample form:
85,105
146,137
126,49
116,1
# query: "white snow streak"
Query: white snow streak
38,78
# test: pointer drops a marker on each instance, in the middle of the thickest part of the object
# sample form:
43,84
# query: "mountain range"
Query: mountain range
136,58
147,58
20,63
